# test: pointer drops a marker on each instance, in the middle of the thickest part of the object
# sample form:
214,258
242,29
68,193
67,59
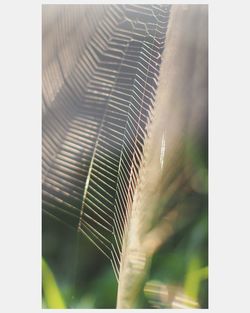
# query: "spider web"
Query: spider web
100,72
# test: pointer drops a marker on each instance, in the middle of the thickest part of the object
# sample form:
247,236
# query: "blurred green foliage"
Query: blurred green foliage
52,295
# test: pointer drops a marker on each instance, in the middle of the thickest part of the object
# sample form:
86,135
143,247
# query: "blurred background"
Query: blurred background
75,273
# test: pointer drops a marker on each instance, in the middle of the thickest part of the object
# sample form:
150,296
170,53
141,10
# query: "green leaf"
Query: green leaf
52,295
194,277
